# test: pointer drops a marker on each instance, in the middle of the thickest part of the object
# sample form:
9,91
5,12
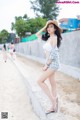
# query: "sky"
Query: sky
11,8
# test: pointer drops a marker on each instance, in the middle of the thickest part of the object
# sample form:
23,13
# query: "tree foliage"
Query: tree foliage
35,24
45,8
25,24
3,36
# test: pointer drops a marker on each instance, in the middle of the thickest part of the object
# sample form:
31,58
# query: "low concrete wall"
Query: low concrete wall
69,50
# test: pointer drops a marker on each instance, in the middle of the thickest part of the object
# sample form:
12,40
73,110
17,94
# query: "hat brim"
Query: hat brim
60,29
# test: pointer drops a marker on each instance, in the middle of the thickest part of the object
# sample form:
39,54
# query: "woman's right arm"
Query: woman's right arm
38,34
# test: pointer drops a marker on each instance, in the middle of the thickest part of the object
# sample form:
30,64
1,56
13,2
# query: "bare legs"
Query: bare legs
5,56
53,90
52,96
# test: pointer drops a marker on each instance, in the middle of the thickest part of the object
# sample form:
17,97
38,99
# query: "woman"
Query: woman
11,49
53,41
4,53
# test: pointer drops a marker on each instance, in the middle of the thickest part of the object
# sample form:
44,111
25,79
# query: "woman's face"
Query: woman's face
50,29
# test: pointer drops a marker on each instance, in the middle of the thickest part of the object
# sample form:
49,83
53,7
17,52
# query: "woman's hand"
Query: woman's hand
45,67
38,34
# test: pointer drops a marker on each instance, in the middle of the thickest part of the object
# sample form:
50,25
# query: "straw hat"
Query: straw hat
54,22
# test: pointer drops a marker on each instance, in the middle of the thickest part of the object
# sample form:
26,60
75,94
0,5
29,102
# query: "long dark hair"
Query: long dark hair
57,33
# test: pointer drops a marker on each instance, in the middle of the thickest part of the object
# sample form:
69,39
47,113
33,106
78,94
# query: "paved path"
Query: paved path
13,93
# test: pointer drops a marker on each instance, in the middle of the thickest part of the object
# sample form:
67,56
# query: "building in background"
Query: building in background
70,24
17,39
11,37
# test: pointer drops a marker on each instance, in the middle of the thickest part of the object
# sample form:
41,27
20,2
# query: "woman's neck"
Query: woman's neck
52,34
